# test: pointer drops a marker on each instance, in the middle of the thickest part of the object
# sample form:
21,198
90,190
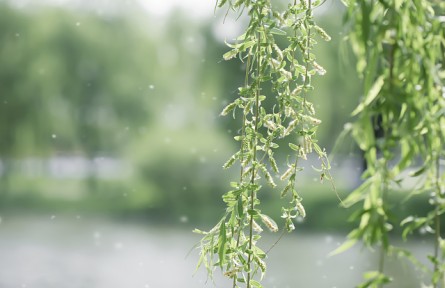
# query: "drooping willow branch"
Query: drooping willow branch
398,125
276,48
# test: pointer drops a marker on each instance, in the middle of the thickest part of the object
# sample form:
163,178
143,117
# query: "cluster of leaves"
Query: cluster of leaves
287,70
400,46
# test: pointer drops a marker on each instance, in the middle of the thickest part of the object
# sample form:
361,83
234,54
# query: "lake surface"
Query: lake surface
81,252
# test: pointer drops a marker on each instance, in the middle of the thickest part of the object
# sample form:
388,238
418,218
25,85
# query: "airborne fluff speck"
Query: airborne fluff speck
53,217
54,136
152,87
183,219
77,23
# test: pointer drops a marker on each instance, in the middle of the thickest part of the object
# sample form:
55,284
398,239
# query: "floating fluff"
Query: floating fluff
269,223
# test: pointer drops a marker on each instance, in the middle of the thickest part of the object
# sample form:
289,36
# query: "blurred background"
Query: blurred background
111,147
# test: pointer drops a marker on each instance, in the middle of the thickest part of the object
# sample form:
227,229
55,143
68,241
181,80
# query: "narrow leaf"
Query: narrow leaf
372,94
345,246
222,243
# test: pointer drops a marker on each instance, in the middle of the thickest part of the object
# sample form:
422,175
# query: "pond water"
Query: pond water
81,252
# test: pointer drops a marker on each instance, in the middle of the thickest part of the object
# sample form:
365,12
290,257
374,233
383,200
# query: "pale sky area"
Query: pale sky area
195,8
198,8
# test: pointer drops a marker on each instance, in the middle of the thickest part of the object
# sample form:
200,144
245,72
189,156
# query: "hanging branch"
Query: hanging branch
286,68
400,59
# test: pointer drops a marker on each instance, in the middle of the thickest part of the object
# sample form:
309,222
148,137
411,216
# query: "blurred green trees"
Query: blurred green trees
70,84
143,90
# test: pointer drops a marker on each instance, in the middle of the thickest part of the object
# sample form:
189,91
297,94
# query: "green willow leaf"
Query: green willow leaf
222,244
373,92
231,54
342,248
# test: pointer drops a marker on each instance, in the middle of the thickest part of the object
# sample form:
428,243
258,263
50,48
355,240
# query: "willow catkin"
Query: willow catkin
300,208
286,189
231,161
279,52
256,227
307,144
228,108
296,91
273,164
269,124
260,263
320,70
288,172
291,126
310,119
269,223
268,177
320,31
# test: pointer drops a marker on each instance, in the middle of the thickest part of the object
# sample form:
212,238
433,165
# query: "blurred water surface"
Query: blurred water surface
75,251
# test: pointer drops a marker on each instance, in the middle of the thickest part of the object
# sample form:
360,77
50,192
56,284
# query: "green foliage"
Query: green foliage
57,78
76,84
286,69
400,120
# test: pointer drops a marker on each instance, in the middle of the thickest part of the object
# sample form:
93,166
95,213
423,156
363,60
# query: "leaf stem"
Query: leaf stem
243,135
254,159
437,223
